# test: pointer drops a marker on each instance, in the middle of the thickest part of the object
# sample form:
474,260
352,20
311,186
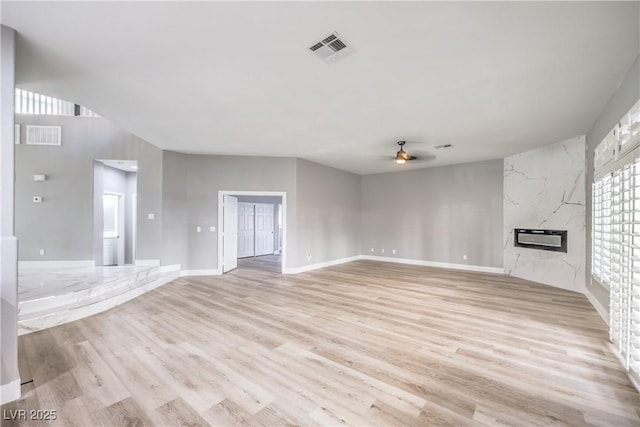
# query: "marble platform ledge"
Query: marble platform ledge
86,288
38,282
83,304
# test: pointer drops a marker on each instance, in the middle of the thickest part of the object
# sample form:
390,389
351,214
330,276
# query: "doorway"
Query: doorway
115,211
112,229
252,230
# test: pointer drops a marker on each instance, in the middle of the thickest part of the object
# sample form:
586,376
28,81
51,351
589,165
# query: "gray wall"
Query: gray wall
98,189
196,202
436,214
621,101
9,374
181,190
63,223
323,206
175,217
328,214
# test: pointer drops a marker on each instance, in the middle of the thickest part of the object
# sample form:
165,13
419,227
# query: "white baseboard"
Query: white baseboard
54,265
204,272
304,268
169,268
147,263
467,267
10,392
599,308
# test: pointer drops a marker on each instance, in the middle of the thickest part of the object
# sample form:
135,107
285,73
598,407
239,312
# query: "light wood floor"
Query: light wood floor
272,263
364,343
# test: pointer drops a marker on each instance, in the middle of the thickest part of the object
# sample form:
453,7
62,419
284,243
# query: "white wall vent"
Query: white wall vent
331,48
16,134
44,135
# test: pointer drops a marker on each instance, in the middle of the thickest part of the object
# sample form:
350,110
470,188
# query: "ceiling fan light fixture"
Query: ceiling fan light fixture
401,156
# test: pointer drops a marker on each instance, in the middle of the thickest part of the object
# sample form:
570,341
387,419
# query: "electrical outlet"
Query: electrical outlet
212,229
393,251
464,257
372,250
37,199
198,229
382,250
151,216
308,257
41,251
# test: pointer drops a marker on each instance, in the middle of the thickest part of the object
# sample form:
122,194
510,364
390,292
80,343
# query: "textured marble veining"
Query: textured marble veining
50,297
39,282
545,189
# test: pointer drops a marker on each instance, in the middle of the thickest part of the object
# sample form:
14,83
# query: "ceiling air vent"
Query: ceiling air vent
331,48
443,146
44,135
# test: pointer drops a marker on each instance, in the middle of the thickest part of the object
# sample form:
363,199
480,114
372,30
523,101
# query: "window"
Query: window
615,256
34,103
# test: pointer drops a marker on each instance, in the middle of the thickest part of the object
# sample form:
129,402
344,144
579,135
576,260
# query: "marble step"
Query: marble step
86,288
52,311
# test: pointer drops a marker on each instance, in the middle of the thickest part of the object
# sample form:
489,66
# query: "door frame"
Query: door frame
283,194
134,225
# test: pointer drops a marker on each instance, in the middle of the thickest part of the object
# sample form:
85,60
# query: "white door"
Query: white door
229,233
111,228
245,230
264,229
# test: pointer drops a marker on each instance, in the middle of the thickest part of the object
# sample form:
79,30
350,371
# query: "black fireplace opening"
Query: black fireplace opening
546,240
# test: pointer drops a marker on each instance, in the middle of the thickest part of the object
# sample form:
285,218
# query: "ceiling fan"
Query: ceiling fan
402,156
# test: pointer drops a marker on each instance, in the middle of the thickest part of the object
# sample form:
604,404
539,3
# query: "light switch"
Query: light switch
151,216
39,177
212,229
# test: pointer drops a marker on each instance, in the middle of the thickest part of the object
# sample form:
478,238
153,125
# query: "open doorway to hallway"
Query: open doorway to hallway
115,210
253,230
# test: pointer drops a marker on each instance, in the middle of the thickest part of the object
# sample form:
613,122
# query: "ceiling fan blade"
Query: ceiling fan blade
423,157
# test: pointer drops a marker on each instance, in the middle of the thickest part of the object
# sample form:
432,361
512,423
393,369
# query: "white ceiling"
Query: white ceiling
493,79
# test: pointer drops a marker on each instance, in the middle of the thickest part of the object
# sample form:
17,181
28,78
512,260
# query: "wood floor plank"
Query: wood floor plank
177,413
363,343
126,413
101,387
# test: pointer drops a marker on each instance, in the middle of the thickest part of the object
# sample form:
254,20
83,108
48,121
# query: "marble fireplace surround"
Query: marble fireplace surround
545,189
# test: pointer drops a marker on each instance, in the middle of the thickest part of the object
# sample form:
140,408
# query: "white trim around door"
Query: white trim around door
222,193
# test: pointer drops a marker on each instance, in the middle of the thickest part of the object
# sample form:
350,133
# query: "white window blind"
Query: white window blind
34,103
615,256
